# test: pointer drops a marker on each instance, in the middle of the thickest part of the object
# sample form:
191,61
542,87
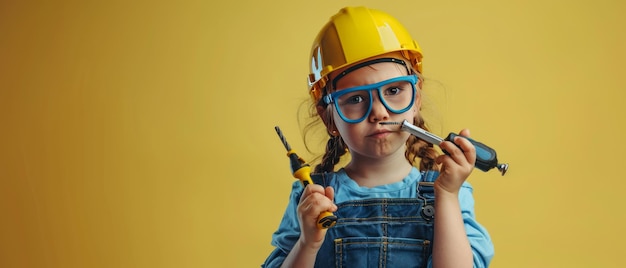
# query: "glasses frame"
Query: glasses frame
332,97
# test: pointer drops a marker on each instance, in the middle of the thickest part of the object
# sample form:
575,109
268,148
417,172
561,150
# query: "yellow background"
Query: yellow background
140,134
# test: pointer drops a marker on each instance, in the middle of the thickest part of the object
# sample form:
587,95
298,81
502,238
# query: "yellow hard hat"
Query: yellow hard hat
355,34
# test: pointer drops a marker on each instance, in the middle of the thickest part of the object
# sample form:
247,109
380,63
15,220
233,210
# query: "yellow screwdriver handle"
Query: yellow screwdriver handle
302,171
326,218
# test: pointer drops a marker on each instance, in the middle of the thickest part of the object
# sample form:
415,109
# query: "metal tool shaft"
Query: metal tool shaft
282,138
421,133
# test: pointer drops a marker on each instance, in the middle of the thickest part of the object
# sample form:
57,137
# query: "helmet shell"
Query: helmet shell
355,34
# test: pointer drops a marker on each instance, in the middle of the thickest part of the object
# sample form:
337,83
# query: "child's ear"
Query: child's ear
323,114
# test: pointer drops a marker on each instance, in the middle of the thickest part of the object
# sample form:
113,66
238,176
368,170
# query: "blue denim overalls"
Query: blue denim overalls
382,232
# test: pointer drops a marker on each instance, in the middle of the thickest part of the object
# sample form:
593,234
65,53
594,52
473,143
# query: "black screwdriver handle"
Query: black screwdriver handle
486,157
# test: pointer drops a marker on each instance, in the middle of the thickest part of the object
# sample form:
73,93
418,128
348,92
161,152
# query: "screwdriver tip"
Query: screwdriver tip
390,123
503,168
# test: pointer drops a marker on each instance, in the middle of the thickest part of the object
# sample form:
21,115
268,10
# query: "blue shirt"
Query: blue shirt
347,189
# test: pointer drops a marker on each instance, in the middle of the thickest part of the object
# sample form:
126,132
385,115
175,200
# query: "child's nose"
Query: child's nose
379,111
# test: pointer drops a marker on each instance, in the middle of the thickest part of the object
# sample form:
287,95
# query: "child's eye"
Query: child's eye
393,91
355,99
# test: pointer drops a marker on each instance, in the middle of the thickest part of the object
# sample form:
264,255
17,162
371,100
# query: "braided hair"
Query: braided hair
417,148
335,146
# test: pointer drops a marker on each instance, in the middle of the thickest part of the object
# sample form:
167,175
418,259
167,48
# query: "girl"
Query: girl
366,69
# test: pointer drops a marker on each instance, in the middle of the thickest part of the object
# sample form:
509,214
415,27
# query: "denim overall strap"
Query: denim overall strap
319,178
381,232
426,192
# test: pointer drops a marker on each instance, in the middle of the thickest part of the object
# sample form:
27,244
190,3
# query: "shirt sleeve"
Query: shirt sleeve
480,241
288,231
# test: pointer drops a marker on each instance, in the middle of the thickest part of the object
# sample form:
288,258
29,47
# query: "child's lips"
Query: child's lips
381,133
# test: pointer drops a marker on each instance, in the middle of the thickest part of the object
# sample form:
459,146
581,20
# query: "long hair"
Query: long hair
417,148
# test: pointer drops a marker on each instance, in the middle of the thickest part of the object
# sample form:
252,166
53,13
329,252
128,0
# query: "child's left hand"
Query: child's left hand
456,166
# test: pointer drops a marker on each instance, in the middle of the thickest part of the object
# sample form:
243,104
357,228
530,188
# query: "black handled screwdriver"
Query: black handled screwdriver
486,158
302,171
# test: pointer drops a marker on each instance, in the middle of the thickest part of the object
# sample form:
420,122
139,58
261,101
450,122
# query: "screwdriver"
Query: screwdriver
486,158
302,171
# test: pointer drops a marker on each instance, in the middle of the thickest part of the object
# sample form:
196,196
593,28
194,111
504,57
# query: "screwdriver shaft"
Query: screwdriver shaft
282,138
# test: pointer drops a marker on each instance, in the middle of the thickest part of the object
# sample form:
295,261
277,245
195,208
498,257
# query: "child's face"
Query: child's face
368,138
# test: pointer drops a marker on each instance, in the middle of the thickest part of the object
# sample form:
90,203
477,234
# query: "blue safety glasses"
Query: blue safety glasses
355,104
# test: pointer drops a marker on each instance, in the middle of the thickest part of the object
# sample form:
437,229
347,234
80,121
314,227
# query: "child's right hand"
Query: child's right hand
314,200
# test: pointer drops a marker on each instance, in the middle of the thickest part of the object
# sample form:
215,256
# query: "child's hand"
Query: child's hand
456,166
315,200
